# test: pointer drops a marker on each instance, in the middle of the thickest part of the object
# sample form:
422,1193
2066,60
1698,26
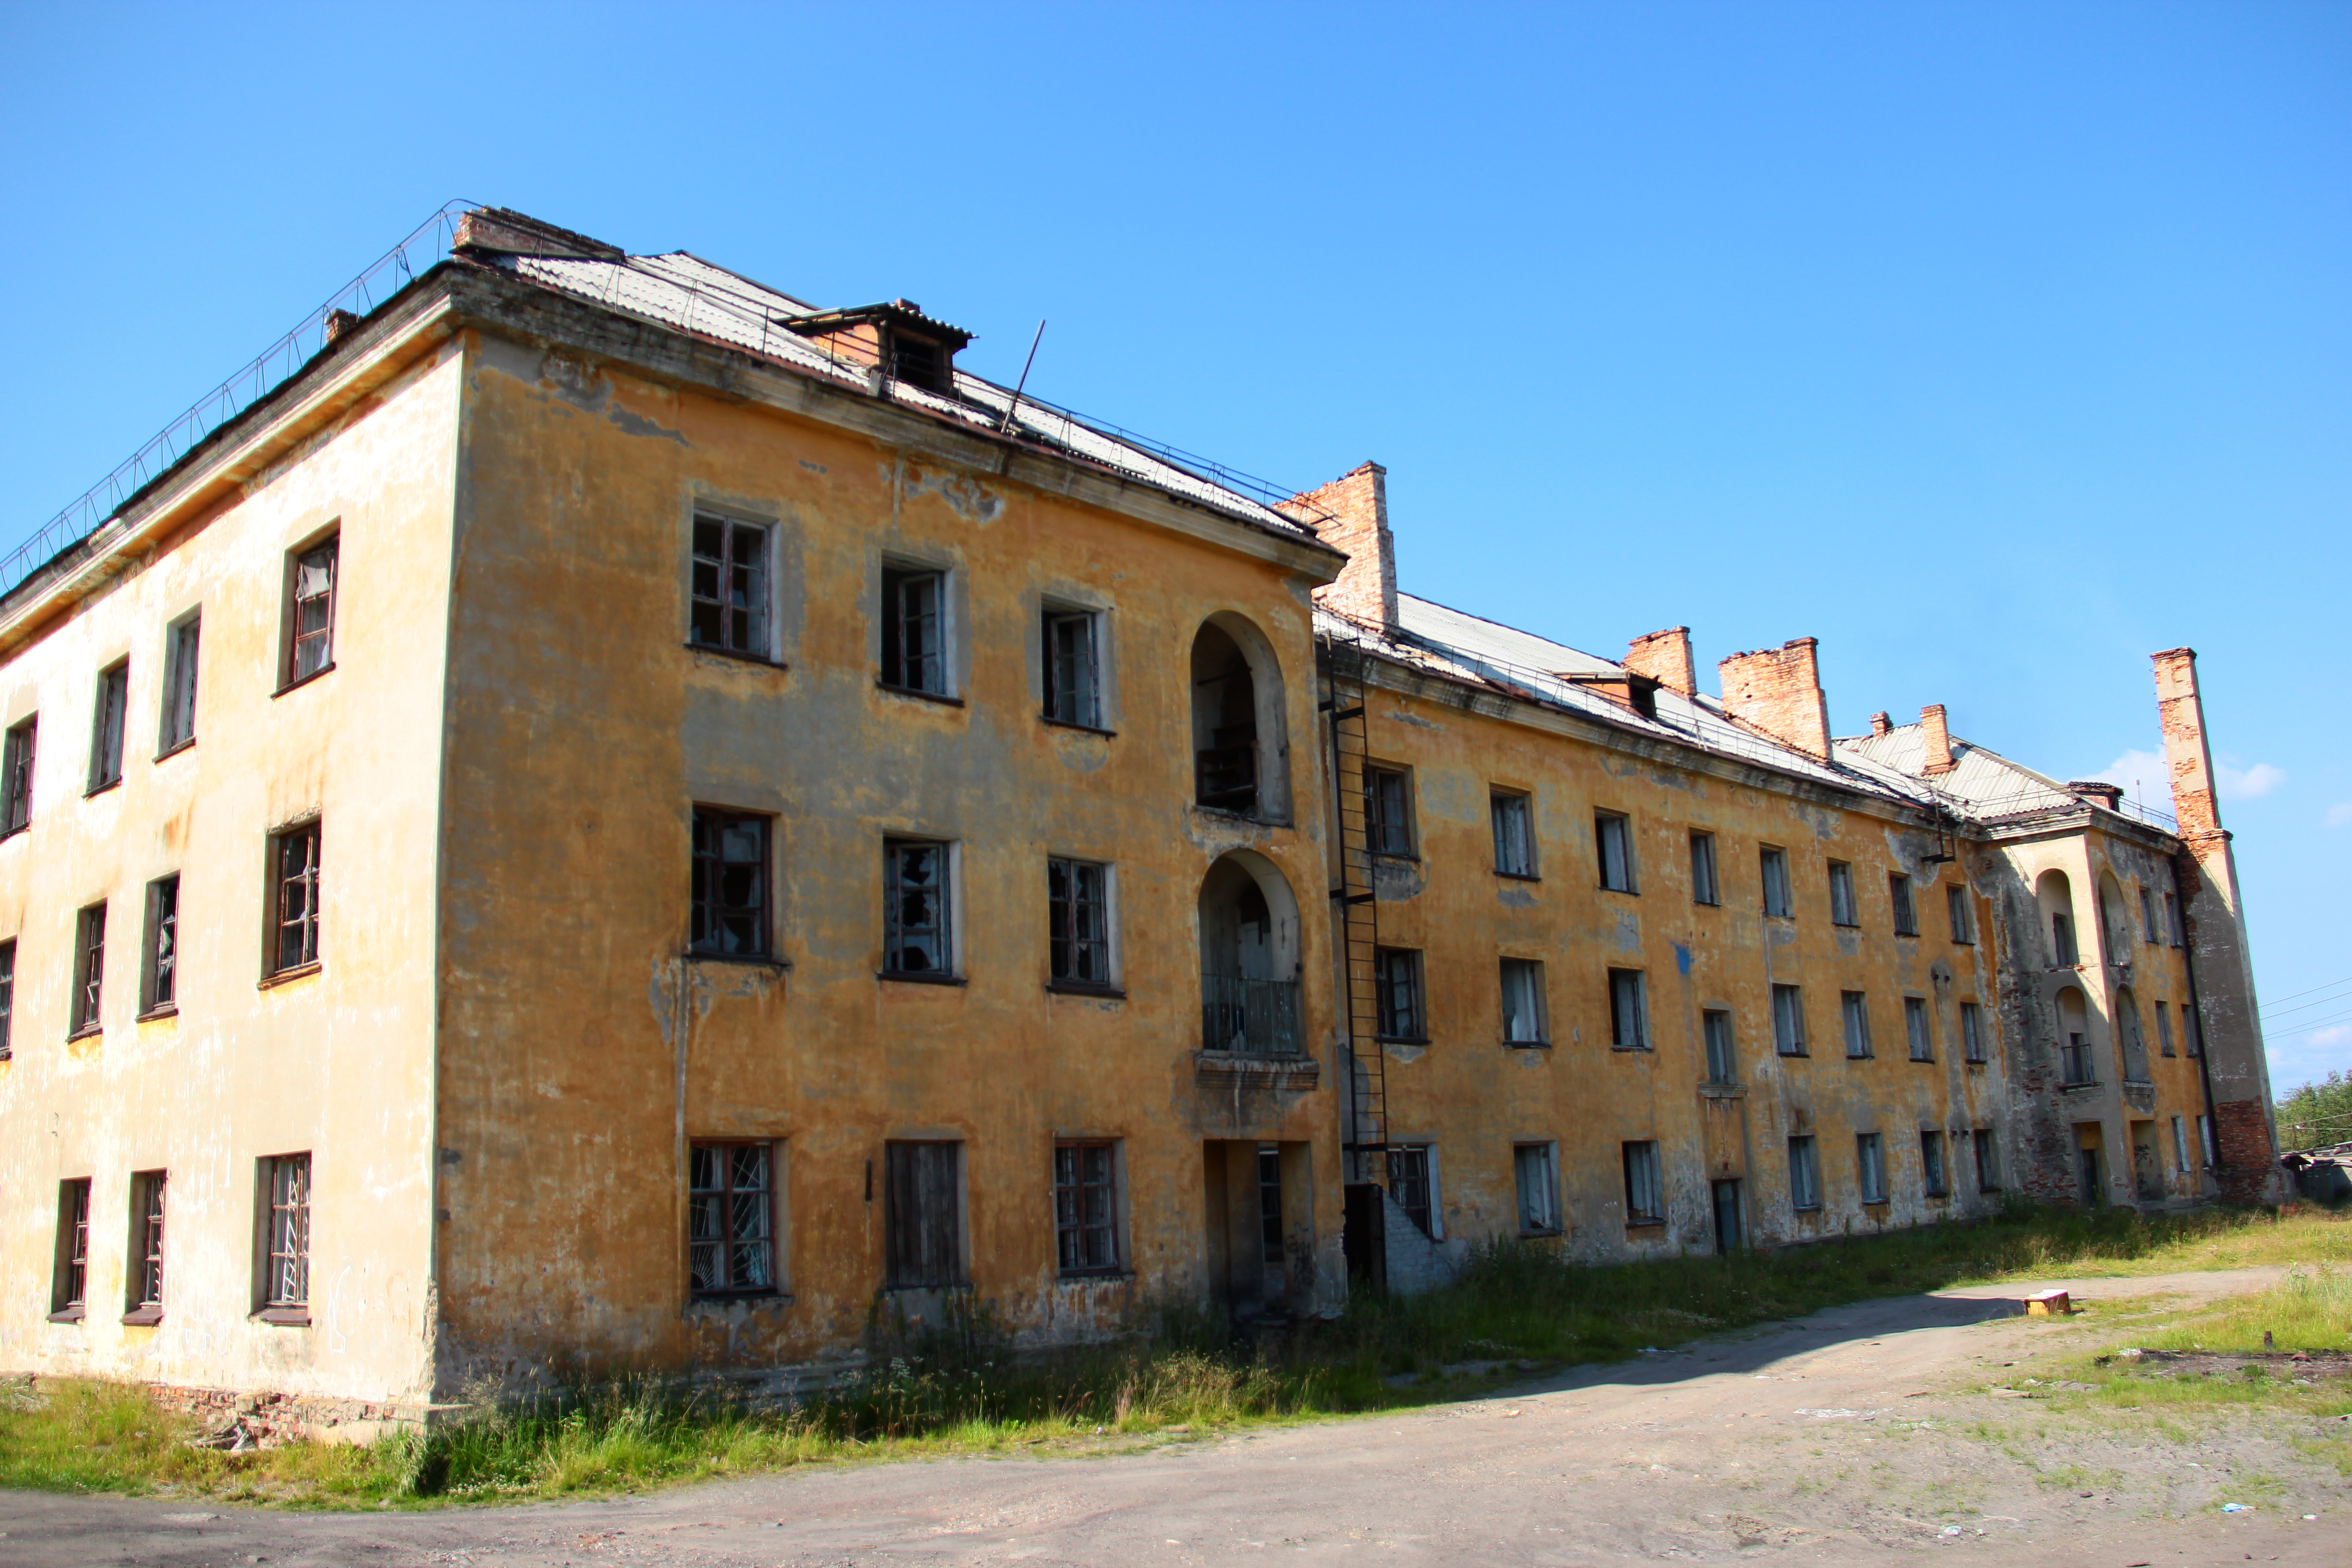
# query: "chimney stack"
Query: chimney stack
1938,753
1666,658
336,324
1880,724
2097,790
1351,513
1778,691
2181,711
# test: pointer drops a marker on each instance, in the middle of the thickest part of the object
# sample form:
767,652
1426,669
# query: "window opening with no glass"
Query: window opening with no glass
916,939
179,715
295,858
106,726
286,1259
730,884
72,1275
16,777
1078,906
914,652
144,1297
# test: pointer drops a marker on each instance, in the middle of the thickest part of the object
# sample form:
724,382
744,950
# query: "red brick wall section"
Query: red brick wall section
2242,1141
2181,711
1778,691
1351,513
1937,757
1666,658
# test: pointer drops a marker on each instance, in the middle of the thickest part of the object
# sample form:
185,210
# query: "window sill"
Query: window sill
1707,903
747,960
1540,1235
158,1013
1975,1062
1805,1208
284,1317
172,751
1605,887
1923,1061
1863,1057
1909,935
731,1298
1092,1276
87,1032
1873,1202
899,1289
25,827
301,680
737,656
143,1317
1401,1039
912,977
941,698
1526,1045
94,790
1640,1051
2087,1083
67,1315
1296,1071
1521,876
1845,925
1079,988
1724,1090
1228,814
1798,1056
1645,1225
1964,942
1052,723
1780,915
288,976
1937,1197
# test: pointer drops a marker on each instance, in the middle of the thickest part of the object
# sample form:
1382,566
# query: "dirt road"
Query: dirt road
1842,1438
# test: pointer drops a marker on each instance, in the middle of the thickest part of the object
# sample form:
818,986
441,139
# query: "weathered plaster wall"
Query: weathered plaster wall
581,1051
337,1063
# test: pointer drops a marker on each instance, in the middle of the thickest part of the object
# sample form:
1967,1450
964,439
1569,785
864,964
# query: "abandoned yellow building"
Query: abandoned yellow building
707,832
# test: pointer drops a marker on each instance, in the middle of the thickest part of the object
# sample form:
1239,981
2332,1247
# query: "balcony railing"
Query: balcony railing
1249,1017
2076,1067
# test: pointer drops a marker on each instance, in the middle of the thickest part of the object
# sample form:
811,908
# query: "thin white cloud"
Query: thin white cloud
2145,777
2247,783
2340,814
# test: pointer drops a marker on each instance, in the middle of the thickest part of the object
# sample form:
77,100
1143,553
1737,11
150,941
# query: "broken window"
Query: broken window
2172,924
2147,914
71,1278
1225,724
1788,1021
1515,845
286,1259
2179,1146
729,885
89,970
1629,1011
1645,1189
1906,913
143,1300
311,612
1956,908
914,623
1804,1174
1086,1205
1387,812
1855,1007
1396,973
1775,866
1931,1164
1614,834
917,936
1914,1029
924,1217
1077,913
1972,1040
294,855
2062,943
161,987
1073,669
1536,1170
1702,861
1842,910
1523,1002
731,1246
1409,1184
7,995
727,600
2164,1030
1721,1066
106,726
179,715
16,777
1870,1167
1988,1156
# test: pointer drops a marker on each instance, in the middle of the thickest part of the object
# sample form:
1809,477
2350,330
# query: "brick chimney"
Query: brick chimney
2181,711
335,326
1666,658
1937,757
2098,790
1351,513
1881,724
1778,691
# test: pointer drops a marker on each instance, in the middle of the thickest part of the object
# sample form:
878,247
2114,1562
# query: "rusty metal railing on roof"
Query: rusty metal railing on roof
271,369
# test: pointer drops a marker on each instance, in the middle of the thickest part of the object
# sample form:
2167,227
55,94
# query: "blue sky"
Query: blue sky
1996,345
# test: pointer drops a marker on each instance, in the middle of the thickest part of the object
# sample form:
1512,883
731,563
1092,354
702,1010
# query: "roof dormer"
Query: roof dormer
906,344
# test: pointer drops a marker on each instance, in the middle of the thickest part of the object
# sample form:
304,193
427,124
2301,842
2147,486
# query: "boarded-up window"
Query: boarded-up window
1086,1205
729,607
925,1213
732,1219
294,857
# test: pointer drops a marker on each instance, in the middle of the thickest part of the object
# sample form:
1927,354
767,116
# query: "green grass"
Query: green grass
964,1393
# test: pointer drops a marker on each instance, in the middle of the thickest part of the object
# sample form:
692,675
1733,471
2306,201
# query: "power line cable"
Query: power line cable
2329,986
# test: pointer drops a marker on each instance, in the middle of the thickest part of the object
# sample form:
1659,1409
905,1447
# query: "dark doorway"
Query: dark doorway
1366,1238
2091,1183
1728,1236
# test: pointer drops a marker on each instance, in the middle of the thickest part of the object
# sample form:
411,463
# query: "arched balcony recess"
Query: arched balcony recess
1240,755
1249,959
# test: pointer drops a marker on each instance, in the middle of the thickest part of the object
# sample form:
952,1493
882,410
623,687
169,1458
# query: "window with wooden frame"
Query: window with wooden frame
2164,1030
286,1239
1722,1064
2173,925
1870,1167
1524,1020
2147,914
1788,1021
1702,867
177,728
1086,1206
1535,1167
1411,1184
918,933
310,611
1645,1188
159,986
2192,1034
1956,907
914,630
1396,975
1804,1172
1612,836
1854,1008
1842,911
16,777
1388,810
1915,1033
728,890
729,596
143,1280
1972,1040
730,1231
1629,1010
1931,1164
1077,921
1509,813
89,970
1072,667
111,711
294,872
7,996
1906,912
1774,866
923,1219
69,1280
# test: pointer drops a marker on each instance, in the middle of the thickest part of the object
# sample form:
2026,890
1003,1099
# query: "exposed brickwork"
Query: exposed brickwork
1666,658
2181,711
2242,1143
2104,794
1938,738
270,1418
1354,516
1881,723
1778,690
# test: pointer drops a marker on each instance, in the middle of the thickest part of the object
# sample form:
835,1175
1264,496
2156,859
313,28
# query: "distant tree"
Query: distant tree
2316,1114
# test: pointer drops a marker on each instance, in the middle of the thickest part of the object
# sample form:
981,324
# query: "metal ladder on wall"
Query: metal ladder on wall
1357,908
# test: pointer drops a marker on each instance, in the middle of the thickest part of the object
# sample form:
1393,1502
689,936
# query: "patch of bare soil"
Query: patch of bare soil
2308,1368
